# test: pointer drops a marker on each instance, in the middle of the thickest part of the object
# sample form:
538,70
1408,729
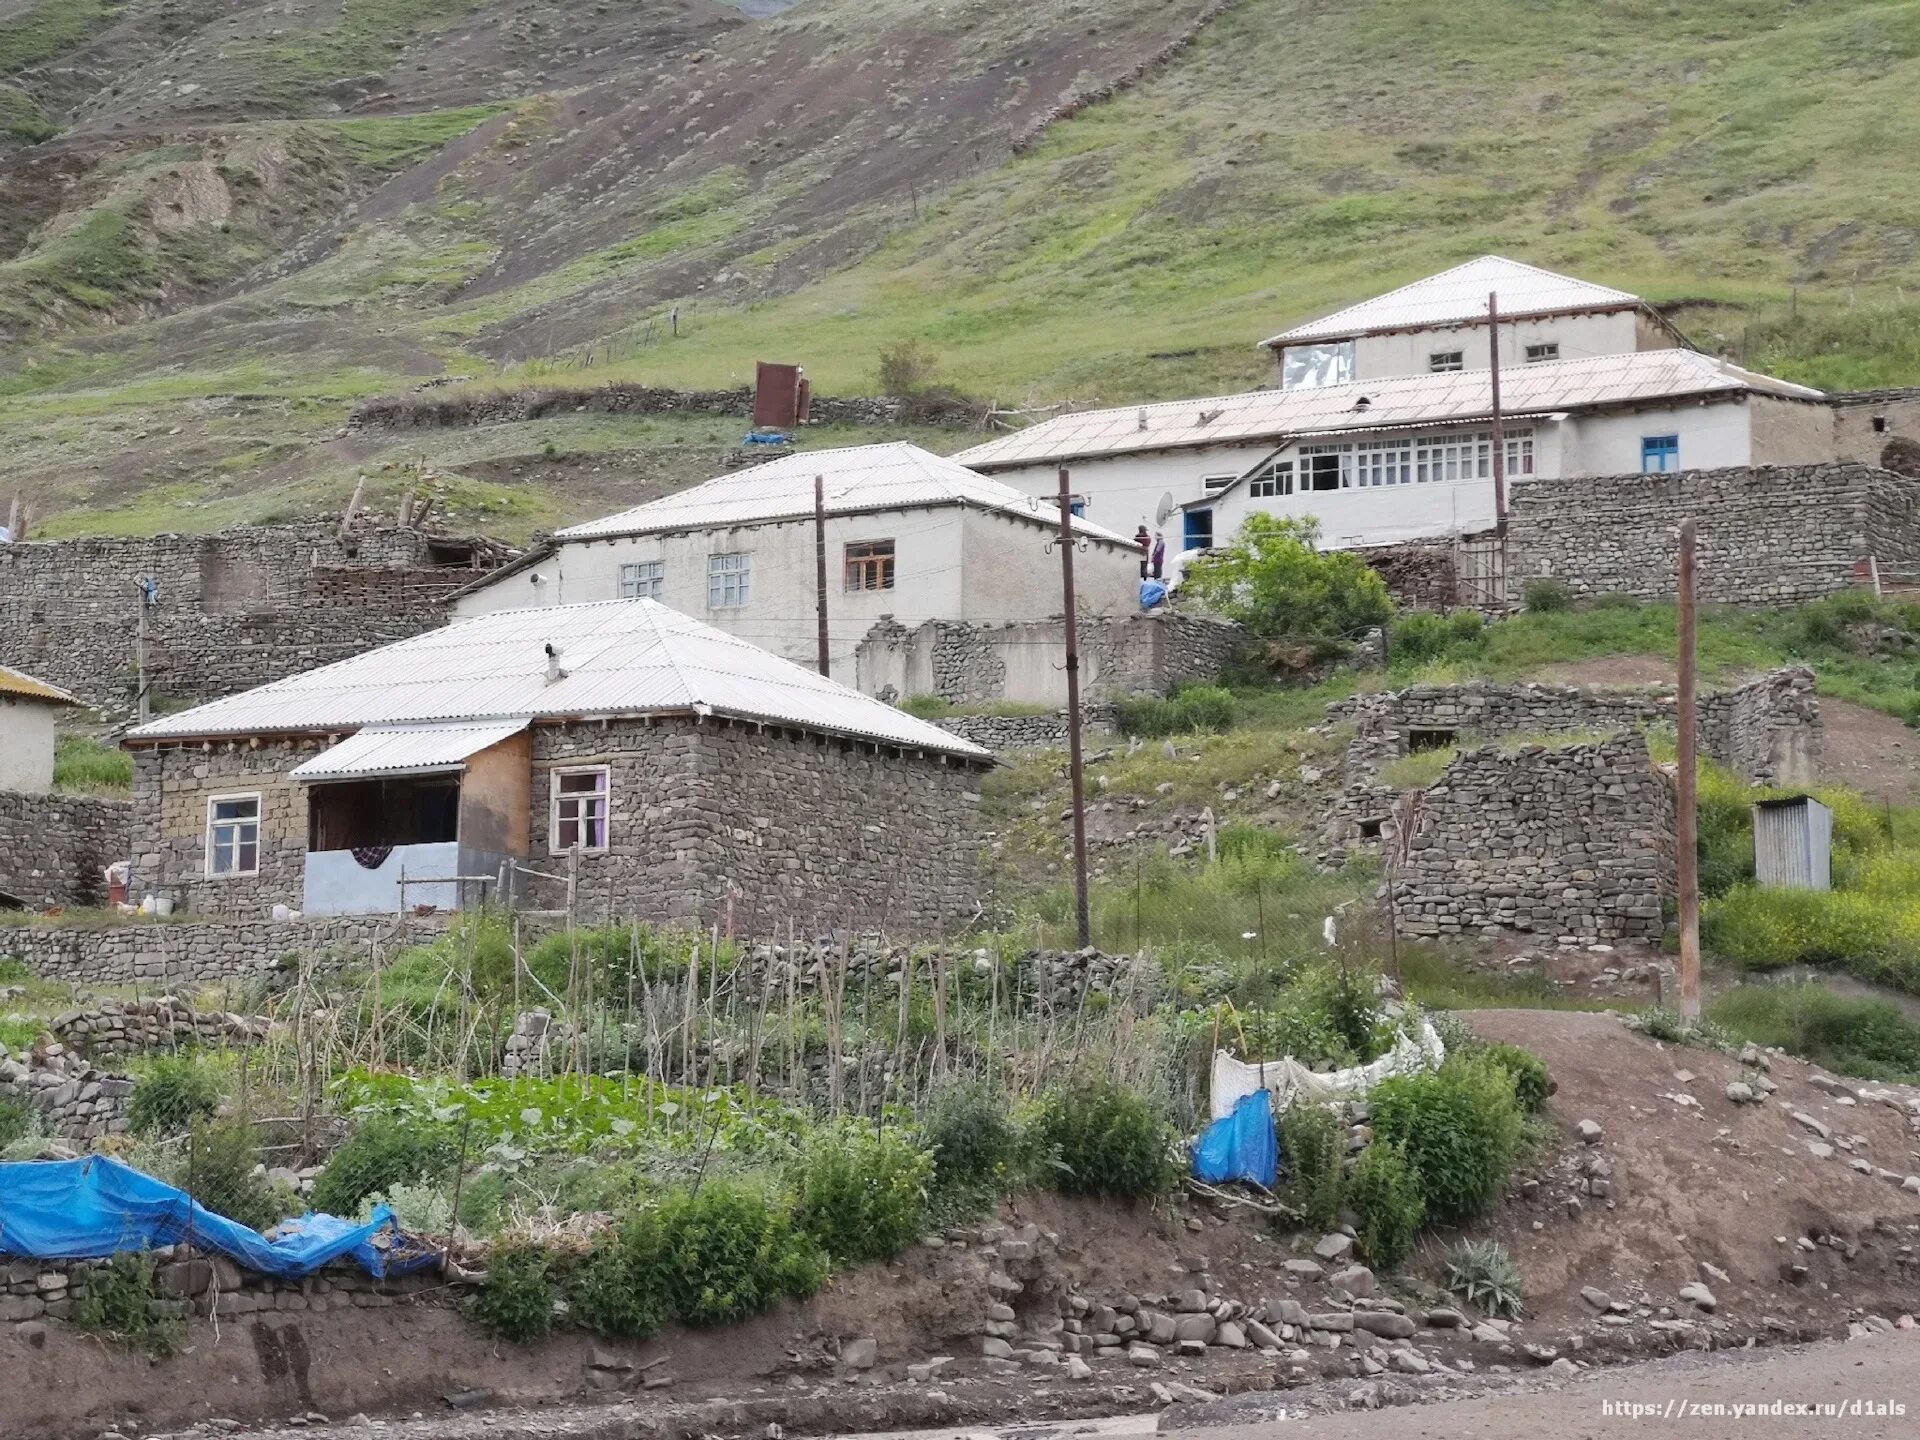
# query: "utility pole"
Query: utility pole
1686,819
145,587
1076,769
1498,435
820,562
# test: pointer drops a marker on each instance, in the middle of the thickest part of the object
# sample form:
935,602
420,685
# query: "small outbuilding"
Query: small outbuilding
28,710
1793,843
649,764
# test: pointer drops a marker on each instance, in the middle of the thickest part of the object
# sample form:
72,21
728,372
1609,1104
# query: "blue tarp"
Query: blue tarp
94,1207
1240,1146
1152,593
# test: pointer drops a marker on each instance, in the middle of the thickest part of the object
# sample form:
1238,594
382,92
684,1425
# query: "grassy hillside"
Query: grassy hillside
822,184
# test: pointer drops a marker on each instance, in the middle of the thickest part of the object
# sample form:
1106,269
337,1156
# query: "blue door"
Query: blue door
1199,529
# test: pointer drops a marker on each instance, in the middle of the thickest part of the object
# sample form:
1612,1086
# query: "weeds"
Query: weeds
1483,1273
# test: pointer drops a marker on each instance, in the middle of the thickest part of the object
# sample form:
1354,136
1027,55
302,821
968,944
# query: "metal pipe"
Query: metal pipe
820,562
1498,434
1076,770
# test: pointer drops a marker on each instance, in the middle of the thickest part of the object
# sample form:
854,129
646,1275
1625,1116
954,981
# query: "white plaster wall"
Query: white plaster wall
26,745
1711,436
1579,337
1123,492
1385,515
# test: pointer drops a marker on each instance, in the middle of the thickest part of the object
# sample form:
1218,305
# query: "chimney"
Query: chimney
554,672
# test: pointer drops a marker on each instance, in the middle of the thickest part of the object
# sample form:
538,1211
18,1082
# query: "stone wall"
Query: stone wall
54,849
160,956
73,1100
115,1028
438,409
1573,843
1769,535
233,609
1025,732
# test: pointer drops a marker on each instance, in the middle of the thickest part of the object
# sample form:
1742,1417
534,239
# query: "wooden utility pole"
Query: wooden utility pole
1498,434
1686,820
1082,922
820,562
143,587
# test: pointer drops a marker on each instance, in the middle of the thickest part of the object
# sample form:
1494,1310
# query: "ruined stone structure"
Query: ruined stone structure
156,957
232,610
114,1028
54,849
1573,843
1769,535
1025,661
72,1098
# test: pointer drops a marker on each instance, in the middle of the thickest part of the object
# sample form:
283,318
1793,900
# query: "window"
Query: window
1442,361
1214,484
1326,467
233,835
729,580
1383,462
643,581
579,810
1271,480
1519,452
1659,452
1199,530
870,565
1547,350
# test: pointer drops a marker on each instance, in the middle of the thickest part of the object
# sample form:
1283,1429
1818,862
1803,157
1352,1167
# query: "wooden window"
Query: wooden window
1659,453
870,565
233,834
1441,362
1271,480
643,581
1546,350
1214,484
580,809
729,581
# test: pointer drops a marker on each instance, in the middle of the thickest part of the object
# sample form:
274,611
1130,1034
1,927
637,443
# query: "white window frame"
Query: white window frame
555,797
635,585
1272,481
730,580
235,822
1548,350
1446,362
1211,485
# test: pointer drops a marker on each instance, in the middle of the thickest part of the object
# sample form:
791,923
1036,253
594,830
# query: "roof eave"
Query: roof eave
1462,322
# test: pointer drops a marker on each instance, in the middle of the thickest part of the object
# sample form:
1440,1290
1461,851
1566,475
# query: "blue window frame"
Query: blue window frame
1659,452
1077,507
1199,530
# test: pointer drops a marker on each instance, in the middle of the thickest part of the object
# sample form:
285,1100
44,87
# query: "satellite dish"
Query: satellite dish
1164,509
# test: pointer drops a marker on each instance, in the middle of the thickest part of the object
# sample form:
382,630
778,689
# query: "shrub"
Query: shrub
1546,596
728,1252
1868,1038
381,1152
516,1300
119,1304
1424,636
1531,1082
419,1209
1461,1129
1385,1198
174,1092
1483,1273
1314,1144
1868,934
973,1145
1207,709
618,1292
1106,1141
218,1170
17,1122
1275,582
862,1195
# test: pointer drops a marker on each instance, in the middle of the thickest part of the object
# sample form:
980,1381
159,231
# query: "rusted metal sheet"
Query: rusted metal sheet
776,395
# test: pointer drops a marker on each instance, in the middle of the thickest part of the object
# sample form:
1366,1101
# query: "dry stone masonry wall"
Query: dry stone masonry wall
54,849
1001,733
132,1027
71,1098
155,957
431,410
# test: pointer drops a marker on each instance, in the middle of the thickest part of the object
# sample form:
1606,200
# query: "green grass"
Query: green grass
393,142
42,30
1868,1038
22,117
1435,979
84,766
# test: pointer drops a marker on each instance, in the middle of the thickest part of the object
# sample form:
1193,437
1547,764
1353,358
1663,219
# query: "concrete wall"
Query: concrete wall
27,743
1124,491
1579,336
54,849
1865,422
950,564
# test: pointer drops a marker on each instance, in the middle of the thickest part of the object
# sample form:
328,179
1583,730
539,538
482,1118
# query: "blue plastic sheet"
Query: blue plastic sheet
95,1207
1152,593
1240,1146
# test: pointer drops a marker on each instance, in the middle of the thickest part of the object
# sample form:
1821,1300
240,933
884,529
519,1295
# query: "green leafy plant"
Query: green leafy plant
1193,709
174,1092
1532,1084
619,1291
120,1305
516,1300
1547,595
1423,635
1282,589
1313,1142
1868,1038
728,1252
218,1170
974,1146
382,1152
1483,1273
17,1122
862,1195
1107,1141
1460,1128
1384,1195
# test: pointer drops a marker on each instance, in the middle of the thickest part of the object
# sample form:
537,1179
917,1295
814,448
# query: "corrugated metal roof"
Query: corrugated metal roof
617,657
858,478
406,749
1461,294
1647,375
18,682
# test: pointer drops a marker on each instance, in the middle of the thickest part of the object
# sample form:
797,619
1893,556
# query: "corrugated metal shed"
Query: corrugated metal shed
1460,294
19,683
1274,415
859,478
1793,844
406,750
616,657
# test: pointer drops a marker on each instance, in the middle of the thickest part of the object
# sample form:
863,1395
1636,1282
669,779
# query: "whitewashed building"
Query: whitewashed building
908,535
28,708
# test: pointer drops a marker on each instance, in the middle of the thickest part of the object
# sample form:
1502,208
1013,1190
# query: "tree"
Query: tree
1276,583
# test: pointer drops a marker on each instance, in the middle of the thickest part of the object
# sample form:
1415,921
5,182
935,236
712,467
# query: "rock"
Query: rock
1445,1318
1190,1302
1305,1269
1699,1296
1741,1093
1816,1126
994,1348
928,1369
1589,1132
1143,1356
1003,1313
1160,1329
1190,1394
1912,1183
1231,1335
1334,1247
1820,1150
1201,1328
1078,1369
860,1354
1338,1321
1356,1280
1409,1362
1384,1324
1598,1301
1289,1312
1564,1367
1262,1337
1364,1397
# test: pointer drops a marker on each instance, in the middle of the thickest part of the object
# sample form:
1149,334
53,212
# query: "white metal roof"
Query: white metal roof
1461,294
860,478
1641,377
616,657
406,749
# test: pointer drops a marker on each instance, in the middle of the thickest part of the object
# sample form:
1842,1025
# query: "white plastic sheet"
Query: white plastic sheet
1289,1080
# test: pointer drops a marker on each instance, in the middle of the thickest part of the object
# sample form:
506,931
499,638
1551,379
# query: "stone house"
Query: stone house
28,708
909,537
620,753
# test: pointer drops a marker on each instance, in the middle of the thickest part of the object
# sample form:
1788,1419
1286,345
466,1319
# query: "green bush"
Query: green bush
1384,1195
1531,1082
218,1170
1867,1038
1313,1144
1461,1129
381,1152
862,1195
1483,1273
1865,933
618,1292
728,1252
1424,636
17,1122
173,1093
119,1303
1274,580
974,1145
1202,709
1545,596
516,1300
1106,1141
